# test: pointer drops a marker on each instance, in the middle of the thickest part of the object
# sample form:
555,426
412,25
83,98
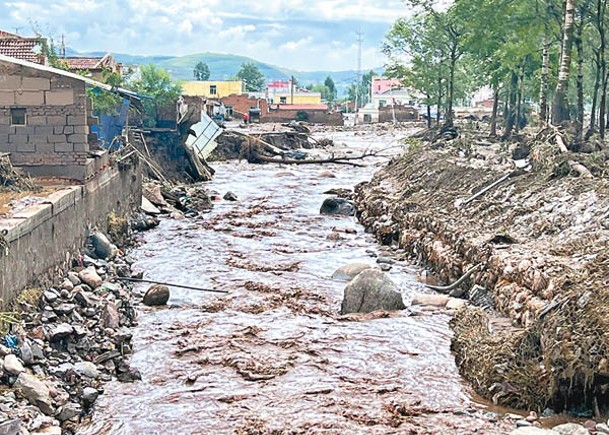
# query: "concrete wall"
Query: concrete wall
315,116
56,130
202,88
402,113
43,238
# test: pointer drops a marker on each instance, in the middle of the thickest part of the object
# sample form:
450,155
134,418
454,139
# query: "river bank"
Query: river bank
539,233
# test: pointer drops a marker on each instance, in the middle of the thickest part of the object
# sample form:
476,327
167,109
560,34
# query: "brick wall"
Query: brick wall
56,130
242,104
402,113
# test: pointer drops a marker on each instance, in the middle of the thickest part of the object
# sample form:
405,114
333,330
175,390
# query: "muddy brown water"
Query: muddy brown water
274,356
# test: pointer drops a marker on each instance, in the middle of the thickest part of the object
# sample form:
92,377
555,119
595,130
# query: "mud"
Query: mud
274,356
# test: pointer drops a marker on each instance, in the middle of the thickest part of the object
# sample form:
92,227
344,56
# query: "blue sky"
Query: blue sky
298,34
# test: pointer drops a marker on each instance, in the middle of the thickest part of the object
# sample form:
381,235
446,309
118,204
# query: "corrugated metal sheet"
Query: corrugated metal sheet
205,133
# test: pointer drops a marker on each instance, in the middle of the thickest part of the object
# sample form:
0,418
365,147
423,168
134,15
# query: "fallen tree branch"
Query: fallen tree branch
459,203
576,166
447,289
337,160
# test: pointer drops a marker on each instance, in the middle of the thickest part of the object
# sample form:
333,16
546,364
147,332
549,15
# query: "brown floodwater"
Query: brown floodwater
274,355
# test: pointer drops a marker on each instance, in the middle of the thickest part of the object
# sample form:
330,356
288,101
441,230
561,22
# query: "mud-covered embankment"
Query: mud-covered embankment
541,236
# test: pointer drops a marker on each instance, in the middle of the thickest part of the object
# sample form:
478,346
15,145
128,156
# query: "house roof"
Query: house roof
4,34
88,63
302,106
28,49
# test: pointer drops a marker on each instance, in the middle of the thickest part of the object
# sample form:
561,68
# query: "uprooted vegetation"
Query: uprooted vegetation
541,232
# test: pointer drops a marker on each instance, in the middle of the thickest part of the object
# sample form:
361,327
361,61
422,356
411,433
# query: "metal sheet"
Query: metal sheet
206,131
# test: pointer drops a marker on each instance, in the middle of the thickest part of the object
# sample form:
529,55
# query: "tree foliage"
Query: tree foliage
158,84
252,77
201,71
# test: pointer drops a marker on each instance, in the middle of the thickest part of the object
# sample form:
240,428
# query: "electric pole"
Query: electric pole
359,71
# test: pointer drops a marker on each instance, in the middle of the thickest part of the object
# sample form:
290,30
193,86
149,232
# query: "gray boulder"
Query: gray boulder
571,429
90,277
349,271
337,206
35,391
369,291
102,246
156,295
12,365
89,396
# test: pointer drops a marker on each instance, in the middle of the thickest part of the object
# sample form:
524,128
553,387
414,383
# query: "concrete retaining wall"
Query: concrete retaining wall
43,238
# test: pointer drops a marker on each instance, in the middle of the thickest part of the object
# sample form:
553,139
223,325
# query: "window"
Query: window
283,100
213,90
17,116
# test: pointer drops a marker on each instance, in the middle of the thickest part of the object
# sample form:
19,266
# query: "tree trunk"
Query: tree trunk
510,118
597,85
439,102
579,121
519,97
428,111
451,86
560,104
543,91
493,132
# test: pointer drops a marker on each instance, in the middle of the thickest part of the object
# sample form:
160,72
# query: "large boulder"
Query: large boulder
35,391
102,246
349,271
337,206
371,290
156,295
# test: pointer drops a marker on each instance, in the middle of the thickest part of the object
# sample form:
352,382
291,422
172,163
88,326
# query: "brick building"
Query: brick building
30,49
45,120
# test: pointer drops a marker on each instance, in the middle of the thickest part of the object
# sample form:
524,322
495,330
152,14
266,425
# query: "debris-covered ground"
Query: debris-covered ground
540,234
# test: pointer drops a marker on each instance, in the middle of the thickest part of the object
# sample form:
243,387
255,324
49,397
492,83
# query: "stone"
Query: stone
349,271
230,196
73,277
103,247
64,309
602,428
67,284
90,277
156,295
12,365
532,430
457,304
50,296
385,260
110,316
149,208
570,429
369,291
35,391
153,193
89,396
385,267
26,353
4,350
433,300
11,427
68,411
326,174
337,206
87,369
49,430
60,331
85,299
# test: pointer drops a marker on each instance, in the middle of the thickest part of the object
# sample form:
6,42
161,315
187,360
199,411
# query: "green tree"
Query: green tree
201,71
361,93
104,102
331,89
156,83
252,77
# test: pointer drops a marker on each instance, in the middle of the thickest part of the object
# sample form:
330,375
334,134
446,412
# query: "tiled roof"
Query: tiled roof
22,48
4,34
83,62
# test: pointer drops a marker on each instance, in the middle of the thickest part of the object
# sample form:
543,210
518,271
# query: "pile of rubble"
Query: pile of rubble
62,343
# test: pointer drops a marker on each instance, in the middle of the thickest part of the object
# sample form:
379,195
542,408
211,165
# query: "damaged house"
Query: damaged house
45,120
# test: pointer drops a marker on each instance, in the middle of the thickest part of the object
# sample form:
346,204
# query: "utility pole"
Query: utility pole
292,79
63,47
359,72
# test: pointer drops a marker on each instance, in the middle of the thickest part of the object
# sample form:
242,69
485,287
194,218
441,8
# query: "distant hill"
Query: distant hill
226,66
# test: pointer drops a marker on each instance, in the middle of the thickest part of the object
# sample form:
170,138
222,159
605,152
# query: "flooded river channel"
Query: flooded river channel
274,355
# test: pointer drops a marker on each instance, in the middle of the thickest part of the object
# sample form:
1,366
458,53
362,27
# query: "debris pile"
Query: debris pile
61,343
11,180
541,237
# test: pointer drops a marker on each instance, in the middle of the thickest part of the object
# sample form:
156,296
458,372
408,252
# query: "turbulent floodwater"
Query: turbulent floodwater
274,356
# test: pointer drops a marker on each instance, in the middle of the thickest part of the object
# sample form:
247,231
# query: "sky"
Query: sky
305,35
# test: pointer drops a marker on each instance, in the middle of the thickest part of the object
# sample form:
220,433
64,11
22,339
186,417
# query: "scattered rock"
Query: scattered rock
90,277
148,207
50,296
87,369
68,411
532,430
110,316
156,295
67,284
602,428
89,396
385,267
35,391
73,277
457,304
12,365
230,196
326,174
369,291
349,271
60,331
337,206
11,427
570,429
385,260
434,300
103,247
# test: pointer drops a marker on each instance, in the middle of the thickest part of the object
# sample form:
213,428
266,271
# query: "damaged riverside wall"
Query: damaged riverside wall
44,237
542,240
